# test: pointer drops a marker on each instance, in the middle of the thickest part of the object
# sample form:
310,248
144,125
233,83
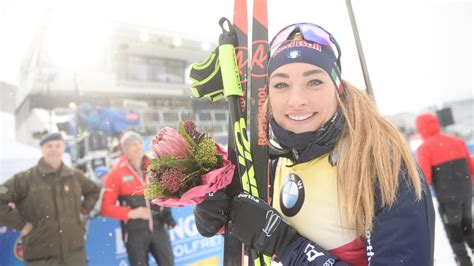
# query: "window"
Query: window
137,68
175,69
150,69
220,116
205,117
158,70
170,117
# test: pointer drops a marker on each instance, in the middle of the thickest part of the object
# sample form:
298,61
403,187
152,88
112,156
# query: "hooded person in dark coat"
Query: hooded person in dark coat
448,167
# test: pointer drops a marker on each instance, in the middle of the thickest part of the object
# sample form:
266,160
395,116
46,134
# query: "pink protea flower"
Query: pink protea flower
171,180
168,142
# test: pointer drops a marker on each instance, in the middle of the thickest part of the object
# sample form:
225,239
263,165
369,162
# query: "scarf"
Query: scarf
303,147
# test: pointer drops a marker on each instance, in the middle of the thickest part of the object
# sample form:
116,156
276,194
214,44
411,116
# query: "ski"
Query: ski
258,123
241,28
224,75
258,94
233,248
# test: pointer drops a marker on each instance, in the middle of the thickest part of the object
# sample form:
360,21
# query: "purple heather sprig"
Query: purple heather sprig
190,128
172,180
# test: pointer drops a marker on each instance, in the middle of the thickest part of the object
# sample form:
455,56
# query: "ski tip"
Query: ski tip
240,15
260,12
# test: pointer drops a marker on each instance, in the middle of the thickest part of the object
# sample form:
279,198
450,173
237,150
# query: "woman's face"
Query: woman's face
302,97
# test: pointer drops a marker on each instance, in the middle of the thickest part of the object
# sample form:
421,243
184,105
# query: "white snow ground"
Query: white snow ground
443,254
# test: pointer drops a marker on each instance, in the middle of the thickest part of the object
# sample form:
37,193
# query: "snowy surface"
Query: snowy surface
443,254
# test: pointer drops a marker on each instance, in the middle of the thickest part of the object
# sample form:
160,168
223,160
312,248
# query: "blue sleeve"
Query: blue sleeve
404,233
304,252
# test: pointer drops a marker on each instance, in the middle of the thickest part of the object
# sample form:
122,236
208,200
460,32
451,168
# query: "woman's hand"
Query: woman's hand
212,214
260,226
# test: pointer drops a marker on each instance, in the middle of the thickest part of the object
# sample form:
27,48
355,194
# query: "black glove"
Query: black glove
260,226
212,213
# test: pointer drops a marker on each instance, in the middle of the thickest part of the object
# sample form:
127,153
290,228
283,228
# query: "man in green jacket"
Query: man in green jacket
49,202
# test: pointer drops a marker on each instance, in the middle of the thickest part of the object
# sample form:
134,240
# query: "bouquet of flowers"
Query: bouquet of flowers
187,166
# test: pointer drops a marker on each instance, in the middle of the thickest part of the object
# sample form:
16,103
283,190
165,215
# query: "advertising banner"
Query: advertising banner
105,245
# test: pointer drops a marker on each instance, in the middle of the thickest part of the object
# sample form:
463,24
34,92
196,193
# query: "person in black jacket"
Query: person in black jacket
346,189
449,168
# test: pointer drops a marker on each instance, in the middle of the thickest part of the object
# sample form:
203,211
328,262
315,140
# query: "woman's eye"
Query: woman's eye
314,82
280,85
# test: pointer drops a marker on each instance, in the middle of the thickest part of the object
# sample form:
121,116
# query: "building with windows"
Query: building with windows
111,64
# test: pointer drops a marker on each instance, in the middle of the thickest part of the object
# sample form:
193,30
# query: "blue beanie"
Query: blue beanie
300,51
50,137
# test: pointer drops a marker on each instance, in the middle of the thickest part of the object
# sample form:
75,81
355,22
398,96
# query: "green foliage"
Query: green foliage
171,177
205,153
164,163
153,191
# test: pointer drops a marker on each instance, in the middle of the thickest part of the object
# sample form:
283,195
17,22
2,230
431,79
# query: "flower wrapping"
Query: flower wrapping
211,182
187,166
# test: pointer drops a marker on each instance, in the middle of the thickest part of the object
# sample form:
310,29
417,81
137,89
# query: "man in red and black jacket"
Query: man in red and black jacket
448,167
144,225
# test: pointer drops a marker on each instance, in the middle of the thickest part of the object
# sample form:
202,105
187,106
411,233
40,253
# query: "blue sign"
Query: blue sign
11,248
105,245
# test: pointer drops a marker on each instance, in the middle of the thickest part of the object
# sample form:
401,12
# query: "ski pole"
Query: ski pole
363,64
233,93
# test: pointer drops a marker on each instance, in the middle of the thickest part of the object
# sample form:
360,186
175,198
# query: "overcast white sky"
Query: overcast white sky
418,52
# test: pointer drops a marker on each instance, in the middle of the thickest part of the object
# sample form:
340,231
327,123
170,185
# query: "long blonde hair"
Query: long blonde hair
370,151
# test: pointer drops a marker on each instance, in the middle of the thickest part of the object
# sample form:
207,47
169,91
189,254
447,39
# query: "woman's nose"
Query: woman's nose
297,98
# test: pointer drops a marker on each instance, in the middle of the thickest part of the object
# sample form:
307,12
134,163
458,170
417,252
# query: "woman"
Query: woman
346,189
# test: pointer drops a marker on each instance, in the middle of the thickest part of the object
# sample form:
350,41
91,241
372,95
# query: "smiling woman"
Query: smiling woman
341,172
302,97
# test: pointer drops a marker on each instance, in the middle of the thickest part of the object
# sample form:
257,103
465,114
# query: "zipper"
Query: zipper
57,217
